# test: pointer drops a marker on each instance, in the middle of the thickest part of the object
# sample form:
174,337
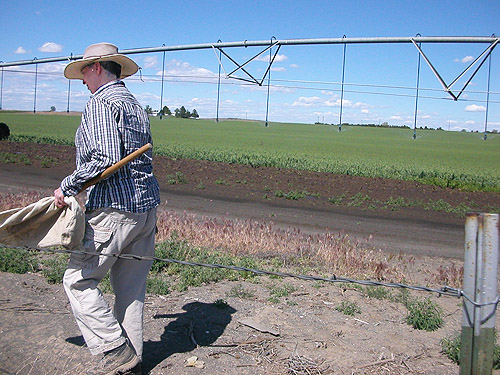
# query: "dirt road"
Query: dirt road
417,236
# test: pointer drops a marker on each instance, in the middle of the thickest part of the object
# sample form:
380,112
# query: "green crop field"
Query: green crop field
450,159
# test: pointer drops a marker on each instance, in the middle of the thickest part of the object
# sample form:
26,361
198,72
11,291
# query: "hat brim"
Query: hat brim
73,69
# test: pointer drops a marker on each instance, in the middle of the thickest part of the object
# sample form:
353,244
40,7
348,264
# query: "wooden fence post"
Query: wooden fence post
480,285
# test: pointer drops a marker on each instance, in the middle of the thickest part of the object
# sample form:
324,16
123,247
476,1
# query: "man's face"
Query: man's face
90,77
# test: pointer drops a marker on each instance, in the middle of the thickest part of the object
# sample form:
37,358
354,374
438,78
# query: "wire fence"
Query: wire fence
443,291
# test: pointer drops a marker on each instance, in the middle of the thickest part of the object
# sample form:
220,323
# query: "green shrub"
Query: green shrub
424,315
450,346
348,308
239,291
54,268
377,292
186,276
17,261
156,284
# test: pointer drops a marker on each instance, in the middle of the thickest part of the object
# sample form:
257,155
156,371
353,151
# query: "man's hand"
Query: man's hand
58,194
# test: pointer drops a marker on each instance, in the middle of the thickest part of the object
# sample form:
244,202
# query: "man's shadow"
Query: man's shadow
200,325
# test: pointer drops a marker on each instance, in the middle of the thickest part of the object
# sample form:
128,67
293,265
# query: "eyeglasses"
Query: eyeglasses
85,67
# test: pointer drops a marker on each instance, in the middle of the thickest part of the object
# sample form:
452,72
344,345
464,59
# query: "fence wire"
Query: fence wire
445,290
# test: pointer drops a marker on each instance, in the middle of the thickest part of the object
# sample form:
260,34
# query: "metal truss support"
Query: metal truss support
251,78
446,87
492,42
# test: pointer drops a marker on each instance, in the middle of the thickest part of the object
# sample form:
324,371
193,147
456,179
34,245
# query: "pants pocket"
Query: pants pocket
99,232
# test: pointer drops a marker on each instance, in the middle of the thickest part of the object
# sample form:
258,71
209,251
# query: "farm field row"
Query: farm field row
447,159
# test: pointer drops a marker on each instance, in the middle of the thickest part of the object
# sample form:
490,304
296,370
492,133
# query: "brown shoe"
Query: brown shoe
118,361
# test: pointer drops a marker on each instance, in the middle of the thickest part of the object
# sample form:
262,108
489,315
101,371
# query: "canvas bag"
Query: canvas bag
43,224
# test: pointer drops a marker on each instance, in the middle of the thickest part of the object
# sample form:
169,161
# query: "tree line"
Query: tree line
179,112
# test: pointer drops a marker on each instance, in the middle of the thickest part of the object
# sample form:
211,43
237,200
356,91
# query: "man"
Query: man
120,211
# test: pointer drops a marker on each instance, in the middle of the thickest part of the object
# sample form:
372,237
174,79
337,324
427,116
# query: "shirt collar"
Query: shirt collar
107,85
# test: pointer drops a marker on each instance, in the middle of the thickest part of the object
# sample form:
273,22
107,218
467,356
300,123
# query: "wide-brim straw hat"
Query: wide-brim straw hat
101,52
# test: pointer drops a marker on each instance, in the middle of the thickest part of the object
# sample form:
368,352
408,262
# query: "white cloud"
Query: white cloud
150,61
304,101
295,66
366,111
464,60
266,58
475,108
20,50
396,118
470,122
336,103
184,68
278,69
51,47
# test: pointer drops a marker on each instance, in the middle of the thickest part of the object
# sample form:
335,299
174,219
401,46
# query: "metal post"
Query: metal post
1,91
269,80
487,100
162,75
69,93
480,286
218,84
36,79
416,97
342,89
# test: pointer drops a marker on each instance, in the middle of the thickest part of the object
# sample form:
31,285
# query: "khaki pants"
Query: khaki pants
110,231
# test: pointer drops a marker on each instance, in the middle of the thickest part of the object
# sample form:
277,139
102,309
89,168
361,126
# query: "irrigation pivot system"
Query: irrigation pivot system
220,48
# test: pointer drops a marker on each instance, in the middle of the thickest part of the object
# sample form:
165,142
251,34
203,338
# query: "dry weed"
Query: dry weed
337,252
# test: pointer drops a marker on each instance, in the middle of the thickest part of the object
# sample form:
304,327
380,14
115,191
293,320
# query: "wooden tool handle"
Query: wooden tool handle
115,167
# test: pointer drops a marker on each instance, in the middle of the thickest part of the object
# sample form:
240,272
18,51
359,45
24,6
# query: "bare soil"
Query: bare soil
302,333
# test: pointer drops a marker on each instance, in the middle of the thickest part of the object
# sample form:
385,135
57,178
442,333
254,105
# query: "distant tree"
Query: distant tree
165,111
194,114
182,112
52,109
148,109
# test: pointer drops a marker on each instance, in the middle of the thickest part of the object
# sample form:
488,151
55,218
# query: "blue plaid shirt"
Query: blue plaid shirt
114,125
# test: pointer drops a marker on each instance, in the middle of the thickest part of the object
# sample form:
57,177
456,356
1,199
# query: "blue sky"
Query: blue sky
305,79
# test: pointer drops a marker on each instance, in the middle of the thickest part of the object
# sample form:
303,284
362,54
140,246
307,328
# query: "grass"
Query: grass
53,268
424,314
177,178
450,346
348,308
18,261
364,201
279,291
239,291
9,157
184,276
446,159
